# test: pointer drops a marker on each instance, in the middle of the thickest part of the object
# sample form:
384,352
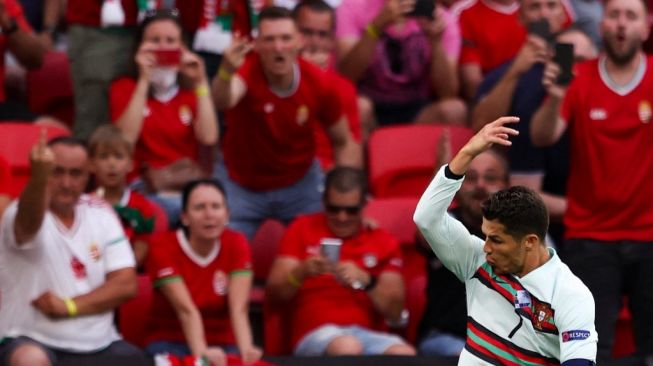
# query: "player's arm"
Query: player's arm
574,318
347,152
228,88
239,287
33,201
547,125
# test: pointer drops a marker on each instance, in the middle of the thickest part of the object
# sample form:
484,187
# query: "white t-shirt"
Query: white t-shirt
67,262
545,317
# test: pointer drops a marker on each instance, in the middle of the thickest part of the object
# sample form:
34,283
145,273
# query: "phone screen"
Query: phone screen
168,57
564,57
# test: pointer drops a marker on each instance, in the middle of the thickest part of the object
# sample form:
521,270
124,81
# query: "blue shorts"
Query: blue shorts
316,342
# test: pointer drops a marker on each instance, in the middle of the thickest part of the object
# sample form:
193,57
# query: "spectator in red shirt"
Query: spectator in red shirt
273,100
202,274
337,296
316,21
166,111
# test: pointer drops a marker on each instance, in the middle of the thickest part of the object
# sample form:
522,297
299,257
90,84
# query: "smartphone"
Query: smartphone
564,57
423,8
541,29
330,248
167,57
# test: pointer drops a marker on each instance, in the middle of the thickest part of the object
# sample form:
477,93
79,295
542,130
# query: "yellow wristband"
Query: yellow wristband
202,91
224,74
293,281
71,306
372,31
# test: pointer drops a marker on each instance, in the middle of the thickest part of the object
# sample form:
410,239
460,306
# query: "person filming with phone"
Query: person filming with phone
341,276
166,111
609,218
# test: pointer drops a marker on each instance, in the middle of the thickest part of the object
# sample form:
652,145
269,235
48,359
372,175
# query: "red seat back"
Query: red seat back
265,244
49,88
132,315
18,138
402,159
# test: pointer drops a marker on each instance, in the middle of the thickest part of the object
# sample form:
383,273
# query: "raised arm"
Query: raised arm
227,87
33,202
356,53
21,42
346,151
239,287
205,124
498,101
547,126
130,121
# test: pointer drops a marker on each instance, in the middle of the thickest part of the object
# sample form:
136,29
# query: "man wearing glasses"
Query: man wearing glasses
340,275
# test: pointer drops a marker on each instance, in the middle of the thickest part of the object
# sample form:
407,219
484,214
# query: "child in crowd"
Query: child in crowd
111,161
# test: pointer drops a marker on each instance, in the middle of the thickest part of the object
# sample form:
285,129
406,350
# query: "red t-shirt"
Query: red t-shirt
492,34
322,299
167,134
349,102
269,142
87,12
13,10
207,280
611,168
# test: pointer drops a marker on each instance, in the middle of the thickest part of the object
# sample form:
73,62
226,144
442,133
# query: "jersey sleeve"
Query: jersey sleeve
574,319
469,49
118,253
120,93
160,265
241,257
292,244
460,251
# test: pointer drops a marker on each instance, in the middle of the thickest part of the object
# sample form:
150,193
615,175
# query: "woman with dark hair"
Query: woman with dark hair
166,110
202,276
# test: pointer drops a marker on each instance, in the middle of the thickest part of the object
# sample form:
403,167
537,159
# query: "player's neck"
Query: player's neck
535,259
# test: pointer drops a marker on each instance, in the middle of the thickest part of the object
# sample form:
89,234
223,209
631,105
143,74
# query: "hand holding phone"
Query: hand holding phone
564,57
330,248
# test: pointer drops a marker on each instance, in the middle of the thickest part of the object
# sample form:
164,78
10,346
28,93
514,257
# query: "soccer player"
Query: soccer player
524,305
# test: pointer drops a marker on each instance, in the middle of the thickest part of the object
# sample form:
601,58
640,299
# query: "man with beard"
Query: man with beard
609,219
442,330
272,101
524,305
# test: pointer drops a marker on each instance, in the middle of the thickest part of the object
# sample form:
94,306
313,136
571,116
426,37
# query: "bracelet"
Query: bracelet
372,31
224,74
71,306
202,91
293,281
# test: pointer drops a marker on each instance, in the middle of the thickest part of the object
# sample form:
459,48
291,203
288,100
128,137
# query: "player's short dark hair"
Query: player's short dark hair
274,13
68,141
345,179
318,6
520,210
193,184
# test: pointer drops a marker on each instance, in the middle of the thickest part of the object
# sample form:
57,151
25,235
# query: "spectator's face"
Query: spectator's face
110,166
484,177
316,29
163,34
584,49
502,252
69,176
551,10
278,44
344,212
624,28
206,213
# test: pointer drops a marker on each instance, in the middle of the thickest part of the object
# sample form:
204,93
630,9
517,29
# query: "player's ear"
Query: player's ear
531,241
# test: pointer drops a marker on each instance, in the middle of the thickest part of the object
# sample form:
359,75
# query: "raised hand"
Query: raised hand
492,133
393,11
145,60
41,157
234,56
433,28
534,50
192,67
551,73
51,305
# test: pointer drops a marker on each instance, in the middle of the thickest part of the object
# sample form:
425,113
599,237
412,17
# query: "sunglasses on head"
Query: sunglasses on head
350,210
151,13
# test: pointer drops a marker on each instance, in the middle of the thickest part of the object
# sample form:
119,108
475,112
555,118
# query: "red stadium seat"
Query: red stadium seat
264,247
402,159
50,90
624,341
17,141
132,315
415,303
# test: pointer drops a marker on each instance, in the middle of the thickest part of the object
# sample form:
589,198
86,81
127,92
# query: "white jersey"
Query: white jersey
543,318
68,262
